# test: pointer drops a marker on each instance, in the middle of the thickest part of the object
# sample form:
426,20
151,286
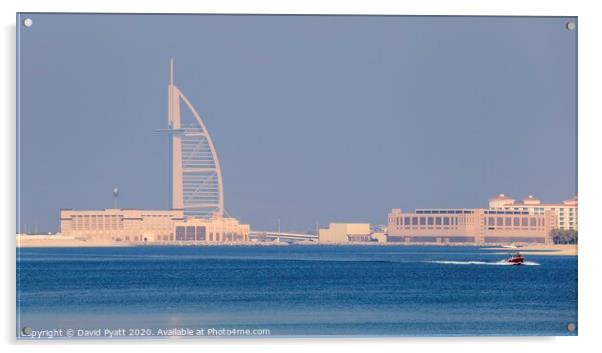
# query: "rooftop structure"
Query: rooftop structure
500,200
567,215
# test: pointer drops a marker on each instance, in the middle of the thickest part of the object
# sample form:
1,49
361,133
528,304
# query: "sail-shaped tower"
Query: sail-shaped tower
196,179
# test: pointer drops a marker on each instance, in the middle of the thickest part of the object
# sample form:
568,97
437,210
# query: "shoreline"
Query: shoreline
64,242
540,249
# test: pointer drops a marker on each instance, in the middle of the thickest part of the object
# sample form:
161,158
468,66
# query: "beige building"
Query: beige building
213,230
473,226
505,221
567,217
338,233
119,225
150,226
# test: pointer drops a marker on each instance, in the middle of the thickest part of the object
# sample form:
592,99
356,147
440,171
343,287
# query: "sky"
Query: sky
315,119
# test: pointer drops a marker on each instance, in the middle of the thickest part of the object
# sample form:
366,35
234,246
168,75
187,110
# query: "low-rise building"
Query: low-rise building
120,225
150,227
338,233
213,230
505,221
474,226
567,215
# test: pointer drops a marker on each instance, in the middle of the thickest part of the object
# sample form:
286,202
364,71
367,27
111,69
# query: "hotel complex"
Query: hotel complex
505,221
566,212
196,194
196,214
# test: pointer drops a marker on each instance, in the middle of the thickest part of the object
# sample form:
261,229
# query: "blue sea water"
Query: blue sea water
296,290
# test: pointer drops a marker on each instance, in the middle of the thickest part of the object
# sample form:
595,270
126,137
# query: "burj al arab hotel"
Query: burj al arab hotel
196,185
196,213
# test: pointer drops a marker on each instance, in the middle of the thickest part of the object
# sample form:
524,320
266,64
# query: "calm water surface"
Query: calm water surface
297,290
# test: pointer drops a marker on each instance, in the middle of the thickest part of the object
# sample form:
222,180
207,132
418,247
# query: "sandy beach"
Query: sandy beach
33,241
540,249
29,241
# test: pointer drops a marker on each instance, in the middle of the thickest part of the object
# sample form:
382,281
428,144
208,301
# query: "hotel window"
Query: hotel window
200,233
508,221
190,233
438,221
180,233
524,222
430,221
491,221
533,222
406,221
445,221
500,221
414,221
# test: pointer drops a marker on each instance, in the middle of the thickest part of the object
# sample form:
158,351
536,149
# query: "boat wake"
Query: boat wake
497,263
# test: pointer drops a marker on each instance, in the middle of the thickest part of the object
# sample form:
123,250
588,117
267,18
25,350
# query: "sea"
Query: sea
206,292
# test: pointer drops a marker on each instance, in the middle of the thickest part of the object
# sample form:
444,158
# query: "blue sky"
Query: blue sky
315,118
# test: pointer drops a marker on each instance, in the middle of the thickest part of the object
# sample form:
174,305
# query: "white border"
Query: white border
590,114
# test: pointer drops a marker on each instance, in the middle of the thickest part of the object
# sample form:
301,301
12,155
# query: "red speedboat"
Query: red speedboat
516,259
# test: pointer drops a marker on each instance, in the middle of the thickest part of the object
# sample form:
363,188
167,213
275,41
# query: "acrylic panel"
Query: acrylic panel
198,176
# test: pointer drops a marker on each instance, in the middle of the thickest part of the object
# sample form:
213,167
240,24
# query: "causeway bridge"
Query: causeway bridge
261,235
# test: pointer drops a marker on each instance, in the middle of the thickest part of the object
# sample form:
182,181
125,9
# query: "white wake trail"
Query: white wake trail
497,263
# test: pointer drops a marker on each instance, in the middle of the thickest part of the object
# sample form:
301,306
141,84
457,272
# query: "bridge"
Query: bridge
281,236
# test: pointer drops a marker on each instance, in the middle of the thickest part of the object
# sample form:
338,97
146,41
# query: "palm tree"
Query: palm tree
562,236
